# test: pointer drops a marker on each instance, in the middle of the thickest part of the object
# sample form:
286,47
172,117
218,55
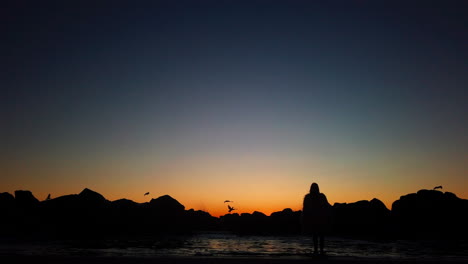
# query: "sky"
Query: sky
250,101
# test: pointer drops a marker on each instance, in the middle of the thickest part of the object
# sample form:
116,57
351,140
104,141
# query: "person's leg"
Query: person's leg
314,237
322,243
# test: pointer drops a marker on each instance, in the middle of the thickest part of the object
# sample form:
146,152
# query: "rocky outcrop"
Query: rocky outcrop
91,198
201,220
26,213
124,204
165,215
89,214
166,204
7,201
7,212
362,218
430,214
25,199
286,221
425,214
255,223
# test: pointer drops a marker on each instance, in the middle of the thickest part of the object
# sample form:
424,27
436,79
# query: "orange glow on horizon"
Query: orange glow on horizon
264,186
219,208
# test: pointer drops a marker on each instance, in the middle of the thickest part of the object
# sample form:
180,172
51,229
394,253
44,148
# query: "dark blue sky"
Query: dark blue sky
348,78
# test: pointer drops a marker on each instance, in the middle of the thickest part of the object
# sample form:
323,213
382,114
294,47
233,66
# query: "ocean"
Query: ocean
223,244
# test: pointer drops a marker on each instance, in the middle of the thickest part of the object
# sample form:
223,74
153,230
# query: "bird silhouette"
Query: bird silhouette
146,194
48,197
230,208
228,201
438,187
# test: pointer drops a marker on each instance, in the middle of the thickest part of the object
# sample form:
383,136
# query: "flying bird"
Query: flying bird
228,201
437,187
230,208
146,194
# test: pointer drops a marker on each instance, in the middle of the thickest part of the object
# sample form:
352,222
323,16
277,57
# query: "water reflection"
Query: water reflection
229,245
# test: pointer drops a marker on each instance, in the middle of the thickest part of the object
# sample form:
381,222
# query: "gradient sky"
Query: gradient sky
250,101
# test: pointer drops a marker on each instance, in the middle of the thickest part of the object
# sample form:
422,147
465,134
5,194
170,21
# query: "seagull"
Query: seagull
437,187
231,208
48,197
146,194
228,201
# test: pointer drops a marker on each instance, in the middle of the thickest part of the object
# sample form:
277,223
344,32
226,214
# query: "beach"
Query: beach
214,260
228,248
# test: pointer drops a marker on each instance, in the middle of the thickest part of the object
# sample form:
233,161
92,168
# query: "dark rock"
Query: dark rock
7,206
62,202
124,204
166,204
25,199
26,213
85,200
7,201
430,214
425,214
286,222
255,223
125,217
165,215
362,218
201,220
91,197
86,214
230,221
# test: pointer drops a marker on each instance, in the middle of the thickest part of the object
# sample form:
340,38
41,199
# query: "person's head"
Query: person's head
314,188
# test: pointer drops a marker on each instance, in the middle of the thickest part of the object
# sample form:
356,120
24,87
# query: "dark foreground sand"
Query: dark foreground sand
213,260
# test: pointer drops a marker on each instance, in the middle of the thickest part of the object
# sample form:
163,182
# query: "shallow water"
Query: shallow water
229,245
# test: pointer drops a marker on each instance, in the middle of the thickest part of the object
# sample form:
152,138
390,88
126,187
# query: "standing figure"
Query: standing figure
316,216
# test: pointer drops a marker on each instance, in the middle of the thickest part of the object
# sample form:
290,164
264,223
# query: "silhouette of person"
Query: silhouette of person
316,216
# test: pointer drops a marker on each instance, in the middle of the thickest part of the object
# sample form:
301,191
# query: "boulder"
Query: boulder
286,221
166,204
362,218
430,214
84,214
91,197
7,201
124,204
25,199
7,205
165,215
201,220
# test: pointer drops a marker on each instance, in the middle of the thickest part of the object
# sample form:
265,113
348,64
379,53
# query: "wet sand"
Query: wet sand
213,260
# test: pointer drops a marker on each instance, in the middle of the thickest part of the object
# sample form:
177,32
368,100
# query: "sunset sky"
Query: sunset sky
250,101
